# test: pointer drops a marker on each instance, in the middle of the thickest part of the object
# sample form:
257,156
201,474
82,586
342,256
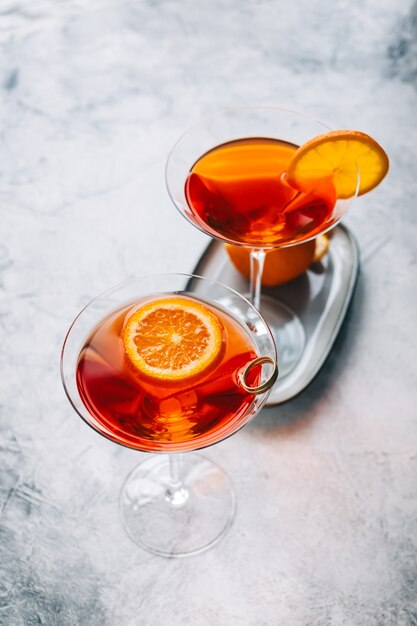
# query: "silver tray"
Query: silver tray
320,299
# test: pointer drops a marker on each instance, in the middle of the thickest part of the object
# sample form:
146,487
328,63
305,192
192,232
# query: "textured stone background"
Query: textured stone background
93,95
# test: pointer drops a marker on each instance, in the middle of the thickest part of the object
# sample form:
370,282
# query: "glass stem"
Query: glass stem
257,259
176,493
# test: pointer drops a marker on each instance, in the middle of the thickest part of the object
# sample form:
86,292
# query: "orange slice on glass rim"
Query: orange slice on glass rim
340,156
172,338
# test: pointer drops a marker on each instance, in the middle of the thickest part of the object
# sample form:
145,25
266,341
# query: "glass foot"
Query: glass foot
177,524
288,333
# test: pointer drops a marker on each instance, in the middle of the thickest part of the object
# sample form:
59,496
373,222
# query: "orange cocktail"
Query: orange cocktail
238,191
159,409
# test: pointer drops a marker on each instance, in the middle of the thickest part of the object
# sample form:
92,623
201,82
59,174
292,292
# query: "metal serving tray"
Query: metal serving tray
320,298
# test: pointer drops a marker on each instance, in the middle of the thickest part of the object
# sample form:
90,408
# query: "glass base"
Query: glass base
180,523
287,331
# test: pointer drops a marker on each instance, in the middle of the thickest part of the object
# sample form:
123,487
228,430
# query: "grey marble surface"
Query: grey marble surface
92,96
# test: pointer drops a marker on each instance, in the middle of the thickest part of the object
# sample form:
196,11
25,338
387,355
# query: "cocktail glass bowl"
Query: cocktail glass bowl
173,504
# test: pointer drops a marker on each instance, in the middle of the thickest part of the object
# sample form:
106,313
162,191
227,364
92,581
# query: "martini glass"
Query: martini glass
171,504
226,176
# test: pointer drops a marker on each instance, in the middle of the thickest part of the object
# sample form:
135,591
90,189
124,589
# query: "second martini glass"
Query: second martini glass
226,175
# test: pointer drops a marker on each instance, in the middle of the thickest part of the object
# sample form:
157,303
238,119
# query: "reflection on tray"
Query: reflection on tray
319,298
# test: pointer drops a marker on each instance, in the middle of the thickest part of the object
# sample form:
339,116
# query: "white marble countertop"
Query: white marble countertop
93,95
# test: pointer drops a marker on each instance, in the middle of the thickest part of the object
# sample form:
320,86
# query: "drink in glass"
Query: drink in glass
238,192
155,414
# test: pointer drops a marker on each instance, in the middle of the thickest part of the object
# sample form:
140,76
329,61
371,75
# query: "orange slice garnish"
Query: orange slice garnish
172,338
339,156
